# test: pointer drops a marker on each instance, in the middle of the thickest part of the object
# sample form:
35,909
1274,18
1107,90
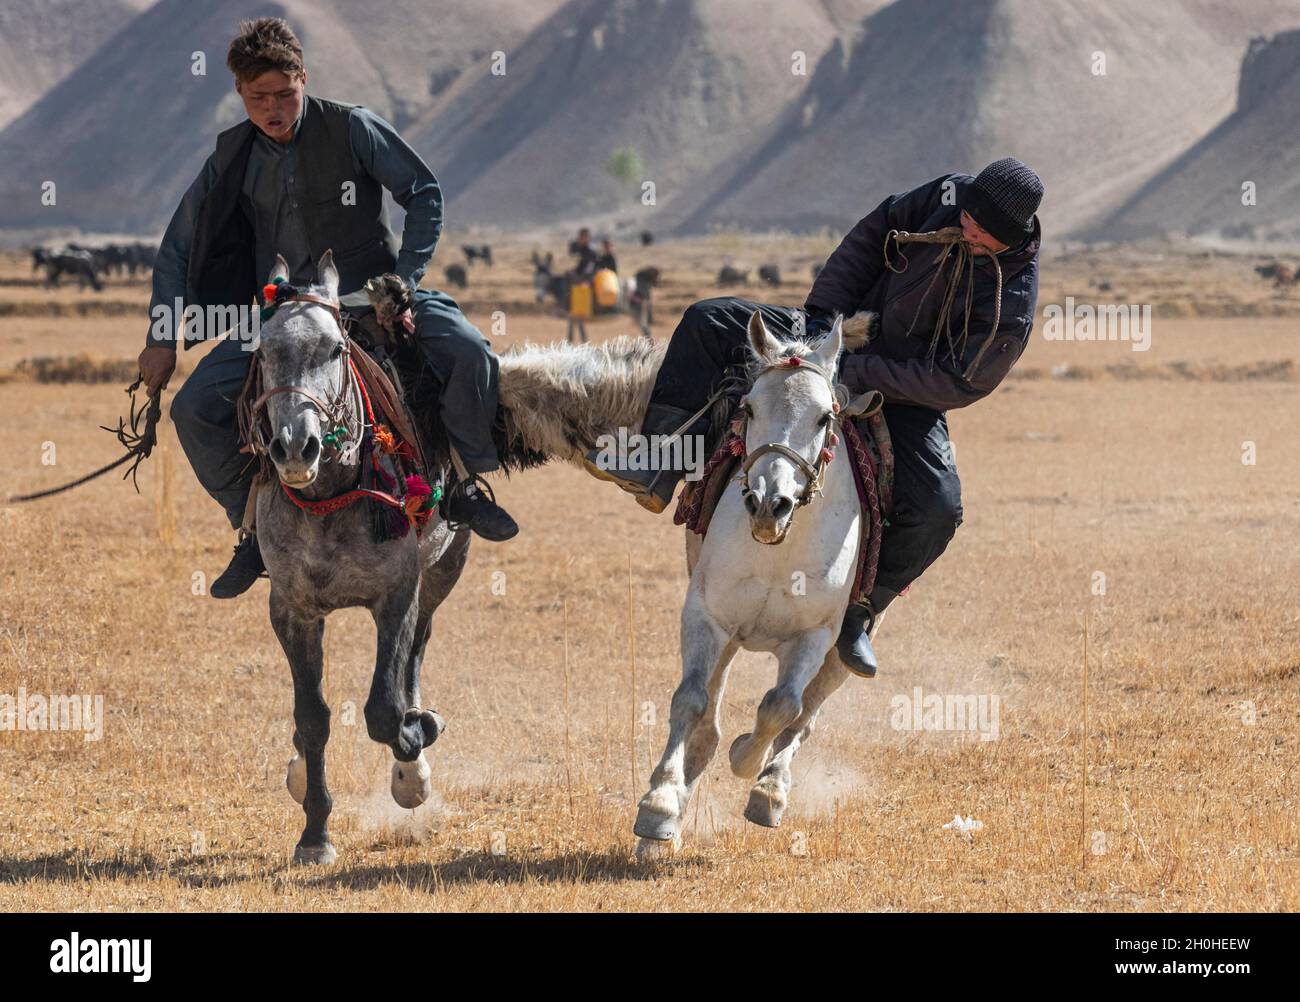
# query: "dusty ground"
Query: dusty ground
1180,793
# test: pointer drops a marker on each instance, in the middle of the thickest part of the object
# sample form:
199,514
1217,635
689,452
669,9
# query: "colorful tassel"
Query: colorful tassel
418,486
384,439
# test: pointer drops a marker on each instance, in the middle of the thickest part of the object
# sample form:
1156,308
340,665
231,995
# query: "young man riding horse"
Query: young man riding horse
301,176
944,340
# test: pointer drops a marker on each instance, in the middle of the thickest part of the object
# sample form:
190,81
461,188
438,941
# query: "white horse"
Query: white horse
560,401
747,591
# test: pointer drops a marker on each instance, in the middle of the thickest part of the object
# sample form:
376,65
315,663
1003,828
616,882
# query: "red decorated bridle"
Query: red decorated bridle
336,415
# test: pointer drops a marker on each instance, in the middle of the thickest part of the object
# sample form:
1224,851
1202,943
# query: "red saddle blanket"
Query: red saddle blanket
872,474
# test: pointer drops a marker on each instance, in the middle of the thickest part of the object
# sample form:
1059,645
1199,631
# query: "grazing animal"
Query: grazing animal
99,260
456,276
647,238
77,263
483,252
547,283
128,259
1281,274
731,276
318,564
646,281
770,274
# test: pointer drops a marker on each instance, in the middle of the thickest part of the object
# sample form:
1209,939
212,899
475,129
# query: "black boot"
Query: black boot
245,567
653,487
470,502
854,643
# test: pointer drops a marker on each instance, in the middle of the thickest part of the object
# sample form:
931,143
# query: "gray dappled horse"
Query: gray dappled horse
320,564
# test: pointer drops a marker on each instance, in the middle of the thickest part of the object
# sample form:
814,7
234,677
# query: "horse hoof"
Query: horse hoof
764,809
295,778
314,855
430,723
650,824
650,850
412,783
743,765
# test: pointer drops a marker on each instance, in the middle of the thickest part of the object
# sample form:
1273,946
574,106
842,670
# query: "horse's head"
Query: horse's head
304,374
789,415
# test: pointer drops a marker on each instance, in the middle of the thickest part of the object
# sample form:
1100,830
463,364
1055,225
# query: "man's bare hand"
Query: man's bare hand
157,363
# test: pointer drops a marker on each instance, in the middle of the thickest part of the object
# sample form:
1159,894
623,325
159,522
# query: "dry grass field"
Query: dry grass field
1178,791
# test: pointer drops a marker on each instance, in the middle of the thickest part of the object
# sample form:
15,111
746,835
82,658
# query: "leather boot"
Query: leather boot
653,487
470,502
245,567
854,643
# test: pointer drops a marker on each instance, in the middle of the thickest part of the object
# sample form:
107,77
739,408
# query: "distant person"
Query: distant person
923,360
606,259
272,187
585,265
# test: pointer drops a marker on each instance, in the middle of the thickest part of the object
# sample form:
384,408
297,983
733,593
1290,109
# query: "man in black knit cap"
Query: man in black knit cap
924,360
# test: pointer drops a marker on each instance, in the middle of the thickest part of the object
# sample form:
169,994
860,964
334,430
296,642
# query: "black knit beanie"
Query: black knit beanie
1004,198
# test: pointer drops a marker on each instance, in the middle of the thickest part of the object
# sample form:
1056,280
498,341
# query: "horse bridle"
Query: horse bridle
863,405
335,412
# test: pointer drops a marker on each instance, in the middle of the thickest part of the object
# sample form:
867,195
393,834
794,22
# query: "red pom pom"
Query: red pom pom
417,486
794,361
268,292
827,455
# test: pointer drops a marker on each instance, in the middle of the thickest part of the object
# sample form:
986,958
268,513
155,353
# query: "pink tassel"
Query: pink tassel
417,486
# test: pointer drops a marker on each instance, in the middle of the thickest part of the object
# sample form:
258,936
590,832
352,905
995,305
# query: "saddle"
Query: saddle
872,458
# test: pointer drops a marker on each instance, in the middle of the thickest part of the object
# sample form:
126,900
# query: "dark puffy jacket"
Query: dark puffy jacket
897,363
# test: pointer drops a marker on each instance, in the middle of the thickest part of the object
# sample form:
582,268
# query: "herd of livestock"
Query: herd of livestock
90,265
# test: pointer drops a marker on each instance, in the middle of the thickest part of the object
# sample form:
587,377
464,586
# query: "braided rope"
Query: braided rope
950,237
